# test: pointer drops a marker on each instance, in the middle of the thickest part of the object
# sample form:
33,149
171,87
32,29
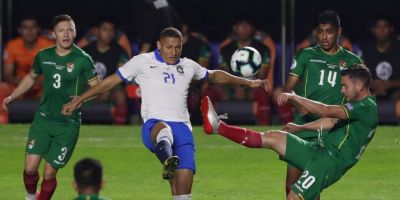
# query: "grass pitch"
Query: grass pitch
225,170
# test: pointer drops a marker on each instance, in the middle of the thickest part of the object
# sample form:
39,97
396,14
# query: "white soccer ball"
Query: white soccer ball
246,62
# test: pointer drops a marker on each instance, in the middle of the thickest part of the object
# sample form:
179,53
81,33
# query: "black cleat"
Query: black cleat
169,167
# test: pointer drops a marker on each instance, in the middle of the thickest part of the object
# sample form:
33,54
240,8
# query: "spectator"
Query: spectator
88,179
152,16
119,36
108,55
196,48
18,60
382,58
244,29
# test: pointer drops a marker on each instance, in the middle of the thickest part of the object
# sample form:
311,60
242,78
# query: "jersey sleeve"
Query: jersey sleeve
355,110
130,69
36,65
199,71
298,65
89,72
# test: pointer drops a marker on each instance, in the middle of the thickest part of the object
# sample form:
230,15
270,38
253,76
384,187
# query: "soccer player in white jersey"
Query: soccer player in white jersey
164,80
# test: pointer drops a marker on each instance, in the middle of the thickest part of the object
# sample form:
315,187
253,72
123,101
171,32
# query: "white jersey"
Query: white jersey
164,87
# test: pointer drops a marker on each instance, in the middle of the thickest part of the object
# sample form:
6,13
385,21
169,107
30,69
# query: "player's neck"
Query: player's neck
63,51
362,94
333,50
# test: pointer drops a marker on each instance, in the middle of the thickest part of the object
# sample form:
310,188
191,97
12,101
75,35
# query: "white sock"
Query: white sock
165,134
182,197
30,196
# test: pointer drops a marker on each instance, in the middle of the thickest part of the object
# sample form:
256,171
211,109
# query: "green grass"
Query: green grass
224,170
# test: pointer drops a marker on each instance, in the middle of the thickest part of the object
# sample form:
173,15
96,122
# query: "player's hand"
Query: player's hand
283,98
70,107
6,101
291,128
257,83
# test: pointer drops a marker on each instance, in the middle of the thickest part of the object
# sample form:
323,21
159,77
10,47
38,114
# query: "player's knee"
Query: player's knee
269,138
293,196
29,170
182,197
165,134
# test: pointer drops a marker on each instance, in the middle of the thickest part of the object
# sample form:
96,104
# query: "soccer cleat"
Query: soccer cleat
32,196
169,167
210,118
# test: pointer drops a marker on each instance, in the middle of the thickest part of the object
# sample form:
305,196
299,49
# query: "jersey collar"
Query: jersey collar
160,59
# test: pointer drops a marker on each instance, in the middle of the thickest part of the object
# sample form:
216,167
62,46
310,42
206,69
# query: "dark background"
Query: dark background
212,17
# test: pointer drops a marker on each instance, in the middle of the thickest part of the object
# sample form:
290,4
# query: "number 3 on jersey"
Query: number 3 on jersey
331,79
57,81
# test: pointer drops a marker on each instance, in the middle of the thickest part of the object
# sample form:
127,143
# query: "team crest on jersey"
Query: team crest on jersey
179,69
31,143
342,64
70,67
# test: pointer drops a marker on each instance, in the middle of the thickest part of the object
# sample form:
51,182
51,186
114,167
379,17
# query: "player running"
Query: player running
52,136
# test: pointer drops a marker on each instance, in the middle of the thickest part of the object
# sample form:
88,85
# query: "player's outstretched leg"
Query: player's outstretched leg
212,123
210,117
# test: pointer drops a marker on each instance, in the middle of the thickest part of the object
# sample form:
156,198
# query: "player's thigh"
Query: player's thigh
319,173
183,146
293,168
146,134
65,137
39,137
299,152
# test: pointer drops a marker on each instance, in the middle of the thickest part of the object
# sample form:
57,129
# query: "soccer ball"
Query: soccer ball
246,62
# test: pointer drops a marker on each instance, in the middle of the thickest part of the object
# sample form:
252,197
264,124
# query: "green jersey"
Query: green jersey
64,78
350,136
320,78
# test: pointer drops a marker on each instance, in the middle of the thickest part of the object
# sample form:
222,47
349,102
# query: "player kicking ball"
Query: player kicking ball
164,80
351,127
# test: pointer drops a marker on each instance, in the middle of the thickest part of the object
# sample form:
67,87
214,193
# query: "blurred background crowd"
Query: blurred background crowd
111,32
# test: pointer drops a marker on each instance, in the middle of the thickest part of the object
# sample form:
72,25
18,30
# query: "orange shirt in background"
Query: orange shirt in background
22,58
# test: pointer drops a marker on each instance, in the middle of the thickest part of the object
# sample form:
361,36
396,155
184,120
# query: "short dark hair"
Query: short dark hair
170,32
383,17
88,172
59,18
358,72
28,17
329,17
103,20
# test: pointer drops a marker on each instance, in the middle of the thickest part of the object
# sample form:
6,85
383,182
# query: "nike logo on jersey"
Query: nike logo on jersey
153,66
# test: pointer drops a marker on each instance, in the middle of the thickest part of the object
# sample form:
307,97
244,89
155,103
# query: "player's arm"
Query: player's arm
222,77
323,123
25,84
290,83
320,109
103,86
